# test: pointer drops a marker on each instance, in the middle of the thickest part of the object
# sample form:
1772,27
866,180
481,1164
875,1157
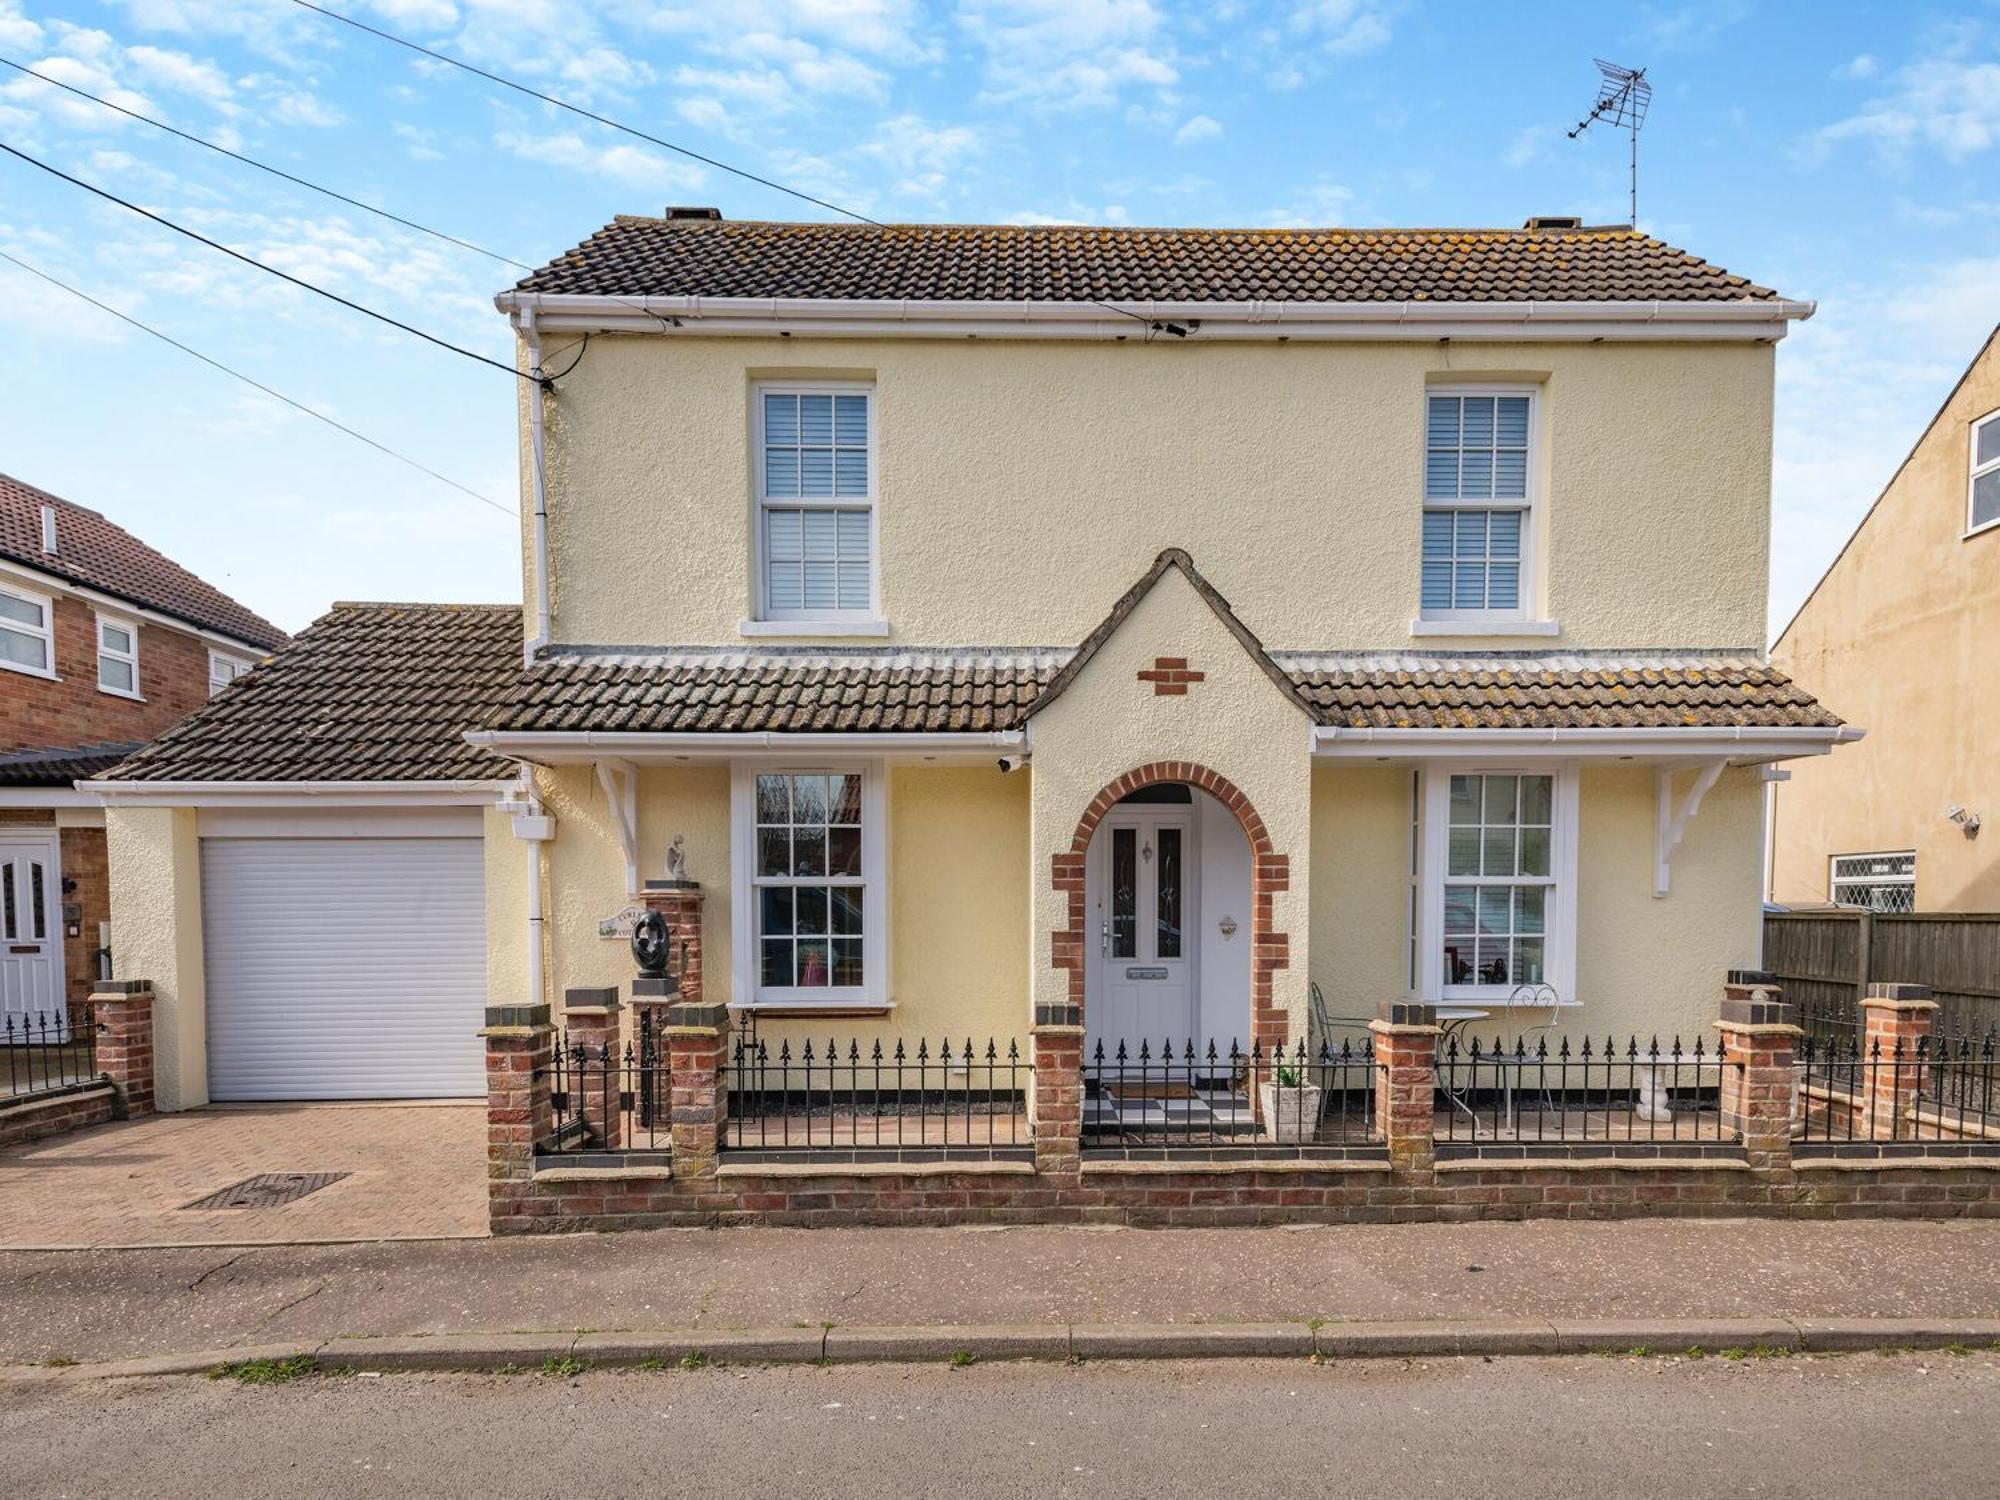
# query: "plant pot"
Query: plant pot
1290,1112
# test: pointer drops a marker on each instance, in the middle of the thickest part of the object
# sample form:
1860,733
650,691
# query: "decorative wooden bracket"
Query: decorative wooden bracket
620,780
1671,823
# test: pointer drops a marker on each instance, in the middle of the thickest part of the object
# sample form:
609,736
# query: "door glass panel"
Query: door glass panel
1124,893
10,917
1167,910
38,906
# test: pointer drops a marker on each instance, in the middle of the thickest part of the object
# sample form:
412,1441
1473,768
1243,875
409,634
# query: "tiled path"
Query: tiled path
414,1171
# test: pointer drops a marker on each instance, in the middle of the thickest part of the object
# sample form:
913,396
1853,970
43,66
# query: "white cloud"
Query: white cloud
892,30
1345,28
17,32
1948,101
1528,144
417,142
1324,203
631,166
1197,128
1866,65
911,144
1070,53
178,71
1687,28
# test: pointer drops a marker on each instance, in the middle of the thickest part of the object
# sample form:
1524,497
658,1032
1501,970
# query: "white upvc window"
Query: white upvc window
1497,852
27,632
815,541
1982,497
1479,484
1880,882
810,886
117,656
223,670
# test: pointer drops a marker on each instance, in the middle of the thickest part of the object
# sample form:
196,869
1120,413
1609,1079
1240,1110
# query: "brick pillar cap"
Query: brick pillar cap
510,1019
1406,1014
591,997
1757,1028
120,989
1759,977
670,887
1402,1028
1911,995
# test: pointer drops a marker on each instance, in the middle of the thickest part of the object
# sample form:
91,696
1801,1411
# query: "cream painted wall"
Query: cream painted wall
505,859
1644,964
1237,723
1290,472
155,859
1899,638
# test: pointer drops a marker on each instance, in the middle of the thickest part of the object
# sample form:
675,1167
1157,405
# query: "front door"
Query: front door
31,979
1142,892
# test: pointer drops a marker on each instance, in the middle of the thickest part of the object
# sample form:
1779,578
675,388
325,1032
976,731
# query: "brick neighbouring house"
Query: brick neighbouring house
104,643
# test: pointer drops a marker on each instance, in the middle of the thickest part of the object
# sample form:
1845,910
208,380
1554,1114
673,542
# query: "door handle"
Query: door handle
1104,938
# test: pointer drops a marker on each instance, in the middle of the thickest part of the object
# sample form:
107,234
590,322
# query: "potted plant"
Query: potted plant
1290,1105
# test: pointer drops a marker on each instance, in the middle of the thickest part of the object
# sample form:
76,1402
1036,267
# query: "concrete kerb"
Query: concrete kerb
530,1351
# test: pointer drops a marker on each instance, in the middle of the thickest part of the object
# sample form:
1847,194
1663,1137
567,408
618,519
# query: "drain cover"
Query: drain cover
267,1190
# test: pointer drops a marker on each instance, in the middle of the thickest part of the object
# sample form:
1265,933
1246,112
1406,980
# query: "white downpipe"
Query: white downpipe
537,938
531,333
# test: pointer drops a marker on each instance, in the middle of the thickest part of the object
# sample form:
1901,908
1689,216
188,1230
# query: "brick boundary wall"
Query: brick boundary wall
1771,1176
35,1117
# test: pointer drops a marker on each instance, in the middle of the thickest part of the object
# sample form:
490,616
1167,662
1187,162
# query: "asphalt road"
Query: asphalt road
1823,1427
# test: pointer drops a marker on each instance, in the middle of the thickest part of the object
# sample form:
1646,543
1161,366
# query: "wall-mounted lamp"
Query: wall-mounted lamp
1968,822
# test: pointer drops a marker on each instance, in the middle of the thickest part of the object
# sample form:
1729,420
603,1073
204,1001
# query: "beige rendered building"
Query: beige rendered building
1900,636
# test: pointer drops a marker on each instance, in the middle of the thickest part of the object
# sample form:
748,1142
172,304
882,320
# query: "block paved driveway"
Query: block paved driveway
415,1171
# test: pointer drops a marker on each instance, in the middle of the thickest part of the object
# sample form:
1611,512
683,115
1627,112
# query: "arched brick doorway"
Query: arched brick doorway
1270,872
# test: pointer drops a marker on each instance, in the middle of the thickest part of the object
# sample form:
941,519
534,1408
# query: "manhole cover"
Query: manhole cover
267,1190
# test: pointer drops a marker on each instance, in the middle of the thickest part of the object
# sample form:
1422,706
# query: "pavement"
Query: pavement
1810,1427
411,1171
918,1293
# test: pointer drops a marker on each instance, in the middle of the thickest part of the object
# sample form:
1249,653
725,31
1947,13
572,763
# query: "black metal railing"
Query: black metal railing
1592,1093
608,1097
43,1051
1171,1100
1934,1089
878,1100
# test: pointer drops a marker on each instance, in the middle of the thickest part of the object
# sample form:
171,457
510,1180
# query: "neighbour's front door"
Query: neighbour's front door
1142,892
30,934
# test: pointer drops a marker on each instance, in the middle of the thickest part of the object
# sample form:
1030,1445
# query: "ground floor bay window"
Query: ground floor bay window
809,887
1495,881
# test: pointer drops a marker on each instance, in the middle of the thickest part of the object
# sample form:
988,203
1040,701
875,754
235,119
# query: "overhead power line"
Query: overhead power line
251,161
664,144
299,406
318,291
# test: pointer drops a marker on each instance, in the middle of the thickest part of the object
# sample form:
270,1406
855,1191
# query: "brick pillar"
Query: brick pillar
520,1048
590,1016
697,1042
121,1014
1759,1081
1055,1108
1406,1038
679,901
1895,1037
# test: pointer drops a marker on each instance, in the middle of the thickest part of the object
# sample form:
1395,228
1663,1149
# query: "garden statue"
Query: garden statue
651,943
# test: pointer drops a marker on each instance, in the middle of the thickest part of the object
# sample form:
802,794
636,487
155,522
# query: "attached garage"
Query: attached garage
344,968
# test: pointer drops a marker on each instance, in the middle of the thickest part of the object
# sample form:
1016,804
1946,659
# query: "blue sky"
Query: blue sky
1847,153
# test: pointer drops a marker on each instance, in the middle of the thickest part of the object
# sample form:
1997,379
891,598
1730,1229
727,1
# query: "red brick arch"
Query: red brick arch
1270,872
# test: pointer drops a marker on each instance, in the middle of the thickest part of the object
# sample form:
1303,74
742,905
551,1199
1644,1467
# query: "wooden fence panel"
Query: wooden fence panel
1826,960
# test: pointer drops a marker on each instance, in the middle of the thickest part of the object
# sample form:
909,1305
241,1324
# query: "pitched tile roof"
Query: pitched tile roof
1072,263
367,692
781,692
1551,692
101,555
61,766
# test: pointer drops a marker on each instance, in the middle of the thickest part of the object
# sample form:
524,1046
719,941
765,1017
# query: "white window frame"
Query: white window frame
111,653
1834,881
766,615
746,988
1976,470
46,635
237,667
1559,918
1528,610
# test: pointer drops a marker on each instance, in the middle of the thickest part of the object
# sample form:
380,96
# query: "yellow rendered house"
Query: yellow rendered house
1206,636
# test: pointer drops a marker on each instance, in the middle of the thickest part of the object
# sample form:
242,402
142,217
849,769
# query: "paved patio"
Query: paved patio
412,1171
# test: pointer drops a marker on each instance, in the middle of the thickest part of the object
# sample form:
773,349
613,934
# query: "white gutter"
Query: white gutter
1264,320
550,746
1675,742
531,334
293,793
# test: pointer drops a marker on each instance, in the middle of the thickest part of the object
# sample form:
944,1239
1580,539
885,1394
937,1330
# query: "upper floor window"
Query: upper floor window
1982,501
1477,504
223,670
27,632
815,501
117,657
1880,882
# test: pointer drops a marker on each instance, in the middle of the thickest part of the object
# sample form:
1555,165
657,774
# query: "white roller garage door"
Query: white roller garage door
344,968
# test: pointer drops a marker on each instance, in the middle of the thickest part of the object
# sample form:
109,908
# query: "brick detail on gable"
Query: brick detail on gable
1270,873
1170,676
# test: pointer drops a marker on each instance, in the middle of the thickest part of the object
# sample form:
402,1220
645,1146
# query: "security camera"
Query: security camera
1012,762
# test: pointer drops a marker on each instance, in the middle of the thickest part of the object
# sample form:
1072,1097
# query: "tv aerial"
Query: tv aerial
1622,97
